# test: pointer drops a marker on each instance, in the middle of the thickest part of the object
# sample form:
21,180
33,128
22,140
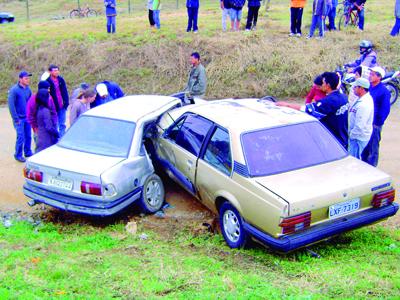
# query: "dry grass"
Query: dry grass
141,61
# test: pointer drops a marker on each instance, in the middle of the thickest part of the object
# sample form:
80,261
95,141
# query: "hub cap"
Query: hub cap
153,193
231,226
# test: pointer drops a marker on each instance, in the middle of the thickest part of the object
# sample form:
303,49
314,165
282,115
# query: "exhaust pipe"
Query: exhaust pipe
32,203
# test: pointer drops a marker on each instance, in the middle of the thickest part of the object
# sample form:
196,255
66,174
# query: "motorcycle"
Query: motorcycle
391,82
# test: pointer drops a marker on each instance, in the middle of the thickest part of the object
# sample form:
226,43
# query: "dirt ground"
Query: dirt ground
184,207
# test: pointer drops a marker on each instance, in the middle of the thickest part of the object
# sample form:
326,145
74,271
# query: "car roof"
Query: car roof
132,108
249,114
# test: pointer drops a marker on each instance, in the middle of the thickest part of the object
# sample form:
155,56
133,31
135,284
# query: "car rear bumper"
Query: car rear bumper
80,205
323,231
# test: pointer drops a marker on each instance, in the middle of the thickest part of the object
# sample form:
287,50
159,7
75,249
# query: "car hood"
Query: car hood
323,185
60,158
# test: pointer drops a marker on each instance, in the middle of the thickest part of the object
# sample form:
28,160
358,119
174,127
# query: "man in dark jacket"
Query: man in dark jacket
18,97
359,6
59,93
106,92
381,97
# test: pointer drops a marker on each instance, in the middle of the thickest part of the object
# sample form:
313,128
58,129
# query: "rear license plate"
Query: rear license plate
344,208
61,183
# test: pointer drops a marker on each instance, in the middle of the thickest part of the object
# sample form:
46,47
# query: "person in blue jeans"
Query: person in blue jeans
396,28
18,97
359,6
252,15
111,14
332,15
193,11
318,16
156,13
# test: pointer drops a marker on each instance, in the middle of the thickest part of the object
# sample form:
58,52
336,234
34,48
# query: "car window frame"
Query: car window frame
183,118
114,119
346,154
208,140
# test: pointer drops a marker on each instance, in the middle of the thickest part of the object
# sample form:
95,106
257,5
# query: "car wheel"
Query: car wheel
153,194
231,224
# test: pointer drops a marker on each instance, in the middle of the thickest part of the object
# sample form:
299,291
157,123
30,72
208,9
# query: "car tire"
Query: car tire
153,194
3,21
231,224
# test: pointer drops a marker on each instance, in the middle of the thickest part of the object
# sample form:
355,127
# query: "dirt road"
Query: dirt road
11,178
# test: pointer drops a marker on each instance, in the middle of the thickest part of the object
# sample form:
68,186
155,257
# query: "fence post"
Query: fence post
177,4
129,6
27,10
79,5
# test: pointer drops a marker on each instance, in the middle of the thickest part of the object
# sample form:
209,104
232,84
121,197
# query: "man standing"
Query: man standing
193,12
332,15
226,8
359,6
318,17
111,14
59,93
361,115
381,97
106,92
197,82
396,27
332,111
296,16
18,97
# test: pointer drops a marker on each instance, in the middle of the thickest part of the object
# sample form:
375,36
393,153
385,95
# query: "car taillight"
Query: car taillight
296,223
383,198
33,174
91,188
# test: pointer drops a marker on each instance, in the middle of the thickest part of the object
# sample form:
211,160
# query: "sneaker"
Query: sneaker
28,155
309,37
195,31
298,34
292,34
20,159
247,29
254,28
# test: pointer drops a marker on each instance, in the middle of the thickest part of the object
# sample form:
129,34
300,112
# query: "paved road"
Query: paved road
11,178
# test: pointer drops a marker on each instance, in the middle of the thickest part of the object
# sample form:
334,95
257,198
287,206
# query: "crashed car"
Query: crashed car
101,165
6,17
271,173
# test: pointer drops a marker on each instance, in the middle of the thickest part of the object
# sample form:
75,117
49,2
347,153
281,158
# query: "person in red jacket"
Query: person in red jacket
315,94
296,15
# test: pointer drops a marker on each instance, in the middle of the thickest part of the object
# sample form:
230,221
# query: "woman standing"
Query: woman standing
81,105
111,14
47,133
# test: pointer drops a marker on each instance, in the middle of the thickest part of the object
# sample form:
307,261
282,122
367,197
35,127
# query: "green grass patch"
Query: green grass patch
74,261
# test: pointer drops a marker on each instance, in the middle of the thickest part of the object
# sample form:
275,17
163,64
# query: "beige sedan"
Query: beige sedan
271,173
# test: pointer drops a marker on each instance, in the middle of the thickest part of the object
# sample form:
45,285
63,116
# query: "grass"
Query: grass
141,61
58,261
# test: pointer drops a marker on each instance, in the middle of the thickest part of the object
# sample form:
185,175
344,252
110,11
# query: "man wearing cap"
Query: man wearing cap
381,97
106,92
331,111
59,92
361,115
18,97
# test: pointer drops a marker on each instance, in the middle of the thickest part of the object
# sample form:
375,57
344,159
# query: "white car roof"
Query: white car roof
132,108
248,114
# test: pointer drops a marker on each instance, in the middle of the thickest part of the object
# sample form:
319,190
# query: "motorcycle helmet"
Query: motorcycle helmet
365,47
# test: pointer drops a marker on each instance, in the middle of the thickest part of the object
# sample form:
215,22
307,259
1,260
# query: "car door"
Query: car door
180,146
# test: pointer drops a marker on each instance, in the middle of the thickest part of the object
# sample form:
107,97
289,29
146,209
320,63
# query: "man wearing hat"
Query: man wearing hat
361,115
381,97
106,92
18,96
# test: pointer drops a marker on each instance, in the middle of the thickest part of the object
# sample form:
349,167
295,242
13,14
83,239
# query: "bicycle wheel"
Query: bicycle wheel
353,19
343,21
74,14
91,13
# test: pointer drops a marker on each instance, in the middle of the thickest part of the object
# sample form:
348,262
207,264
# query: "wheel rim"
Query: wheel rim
231,226
153,193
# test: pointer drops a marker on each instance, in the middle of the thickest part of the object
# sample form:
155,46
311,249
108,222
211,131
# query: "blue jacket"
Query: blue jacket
192,3
17,100
110,8
253,3
114,92
381,97
319,8
237,4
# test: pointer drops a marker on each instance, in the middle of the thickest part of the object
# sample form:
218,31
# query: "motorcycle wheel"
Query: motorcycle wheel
394,92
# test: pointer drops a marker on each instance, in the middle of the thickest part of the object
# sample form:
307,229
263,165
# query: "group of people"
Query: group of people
356,121
45,111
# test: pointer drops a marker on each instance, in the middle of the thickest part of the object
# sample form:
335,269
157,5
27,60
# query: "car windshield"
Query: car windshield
100,136
281,149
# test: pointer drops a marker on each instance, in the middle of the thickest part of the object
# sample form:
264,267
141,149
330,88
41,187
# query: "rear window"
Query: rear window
276,150
100,136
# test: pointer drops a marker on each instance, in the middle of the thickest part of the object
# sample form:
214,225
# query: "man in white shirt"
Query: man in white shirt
361,116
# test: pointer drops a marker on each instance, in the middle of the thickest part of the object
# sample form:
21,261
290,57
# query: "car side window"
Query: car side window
218,152
191,133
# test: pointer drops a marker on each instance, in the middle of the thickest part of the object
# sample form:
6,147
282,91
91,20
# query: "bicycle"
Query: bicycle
349,17
82,12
